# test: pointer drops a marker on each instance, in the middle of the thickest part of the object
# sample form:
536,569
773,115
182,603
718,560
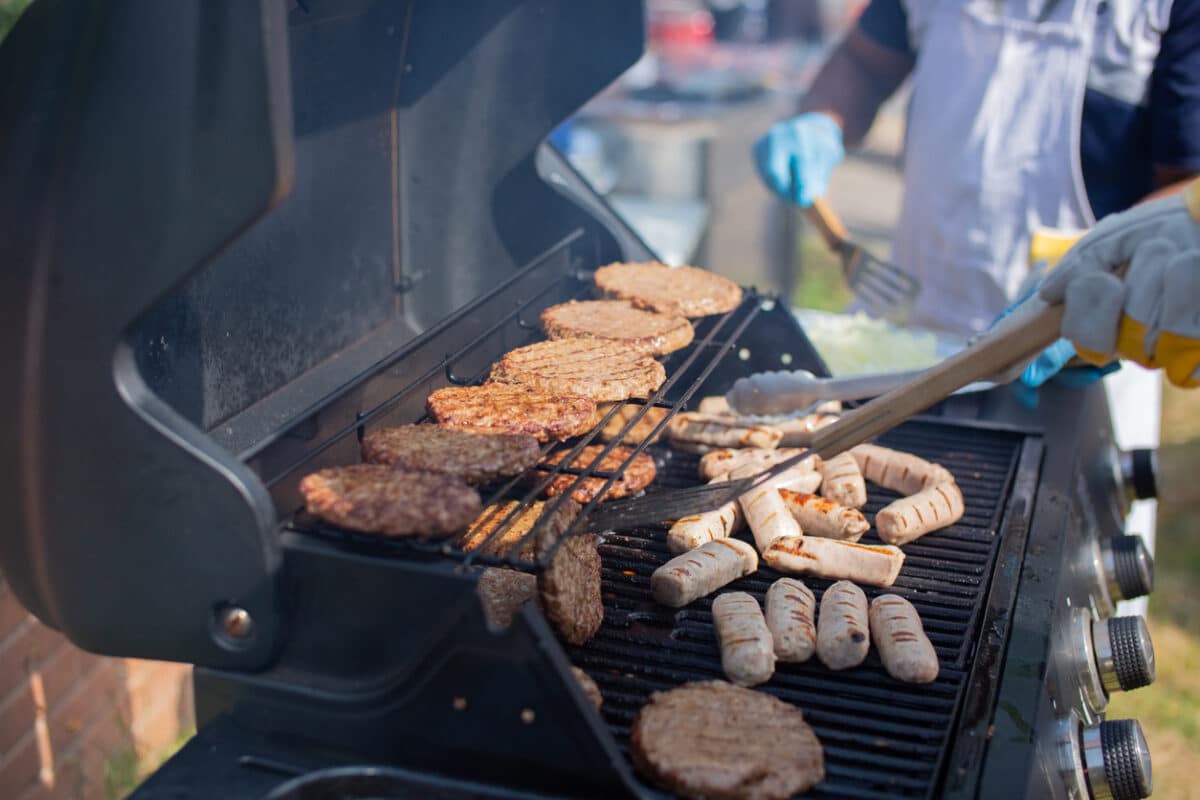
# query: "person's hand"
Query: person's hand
796,157
1153,315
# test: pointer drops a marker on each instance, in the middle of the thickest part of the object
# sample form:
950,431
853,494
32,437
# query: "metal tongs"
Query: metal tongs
1001,351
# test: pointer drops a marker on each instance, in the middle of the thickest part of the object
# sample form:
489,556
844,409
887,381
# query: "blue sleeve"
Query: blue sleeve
885,22
1175,91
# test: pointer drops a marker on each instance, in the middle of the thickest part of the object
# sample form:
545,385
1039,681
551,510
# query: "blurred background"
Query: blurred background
669,146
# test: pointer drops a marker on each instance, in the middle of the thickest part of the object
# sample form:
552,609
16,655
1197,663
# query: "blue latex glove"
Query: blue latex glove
796,157
1049,365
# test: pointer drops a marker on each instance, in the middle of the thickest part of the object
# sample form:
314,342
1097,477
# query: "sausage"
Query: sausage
798,431
842,482
912,517
901,472
717,404
875,565
720,430
720,462
906,651
819,516
747,650
692,532
702,571
791,617
842,626
768,516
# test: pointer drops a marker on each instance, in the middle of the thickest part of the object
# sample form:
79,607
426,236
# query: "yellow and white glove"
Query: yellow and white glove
1153,315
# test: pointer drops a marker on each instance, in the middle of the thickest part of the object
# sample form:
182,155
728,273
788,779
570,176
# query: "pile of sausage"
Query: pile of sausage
791,630
797,531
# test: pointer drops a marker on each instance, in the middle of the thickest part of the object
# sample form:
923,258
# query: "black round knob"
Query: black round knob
1139,468
1132,567
1124,653
1124,772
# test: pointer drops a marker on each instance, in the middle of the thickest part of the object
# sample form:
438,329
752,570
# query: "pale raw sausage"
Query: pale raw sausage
702,571
747,650
842,626
791,617
820,516
906,651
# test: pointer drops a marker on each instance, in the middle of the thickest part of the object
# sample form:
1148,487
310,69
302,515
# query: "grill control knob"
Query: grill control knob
1139,472
1116,760
1124,653
1128,567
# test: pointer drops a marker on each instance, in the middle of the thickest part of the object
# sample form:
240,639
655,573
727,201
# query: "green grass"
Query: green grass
9,11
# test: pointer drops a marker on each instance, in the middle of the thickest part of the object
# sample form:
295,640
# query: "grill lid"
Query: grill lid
224,215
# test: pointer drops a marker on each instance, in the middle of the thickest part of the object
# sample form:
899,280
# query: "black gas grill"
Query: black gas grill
244,233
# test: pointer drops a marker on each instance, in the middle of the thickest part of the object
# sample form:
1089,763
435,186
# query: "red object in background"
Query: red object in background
681,27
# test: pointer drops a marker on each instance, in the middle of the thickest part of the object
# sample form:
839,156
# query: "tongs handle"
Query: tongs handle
827,223
1030,328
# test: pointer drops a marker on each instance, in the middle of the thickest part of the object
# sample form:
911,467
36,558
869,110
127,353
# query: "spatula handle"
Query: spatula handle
827,223
1024,333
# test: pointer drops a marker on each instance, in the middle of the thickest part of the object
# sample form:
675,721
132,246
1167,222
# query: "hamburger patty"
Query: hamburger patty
603,371
509,408
494,516
570,588
474,457
374,498
589,686
617,320
503,591
711,739
686,291
637,476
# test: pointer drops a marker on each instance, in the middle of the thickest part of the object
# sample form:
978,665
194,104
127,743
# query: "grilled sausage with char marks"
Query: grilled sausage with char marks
819,516
842,481
910,518
691,532
702,571
842,626
876,565
791,617
896,629
747,650
901,472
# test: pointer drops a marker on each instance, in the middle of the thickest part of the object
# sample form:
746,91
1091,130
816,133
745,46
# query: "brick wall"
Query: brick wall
76,725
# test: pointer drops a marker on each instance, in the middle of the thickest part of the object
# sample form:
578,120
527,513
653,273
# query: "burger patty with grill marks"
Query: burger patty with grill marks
711,739
374,498
474,457
637,476
686,291
603,371
509,408
618,321
570,588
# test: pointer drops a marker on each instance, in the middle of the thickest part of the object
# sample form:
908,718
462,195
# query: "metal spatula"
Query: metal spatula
886,290
1014,340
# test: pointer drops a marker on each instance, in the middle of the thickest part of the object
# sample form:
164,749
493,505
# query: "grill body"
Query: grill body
337,207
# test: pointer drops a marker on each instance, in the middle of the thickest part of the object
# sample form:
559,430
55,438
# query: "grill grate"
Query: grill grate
882,738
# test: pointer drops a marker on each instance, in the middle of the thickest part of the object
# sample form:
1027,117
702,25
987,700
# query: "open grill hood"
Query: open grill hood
220,216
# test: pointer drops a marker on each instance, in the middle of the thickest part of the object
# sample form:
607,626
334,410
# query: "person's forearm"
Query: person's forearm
854,82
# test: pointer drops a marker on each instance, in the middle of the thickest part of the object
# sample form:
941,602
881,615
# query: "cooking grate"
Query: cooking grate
882,738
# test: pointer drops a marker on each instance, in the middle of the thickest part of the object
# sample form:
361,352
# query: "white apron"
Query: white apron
991,153
992,149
